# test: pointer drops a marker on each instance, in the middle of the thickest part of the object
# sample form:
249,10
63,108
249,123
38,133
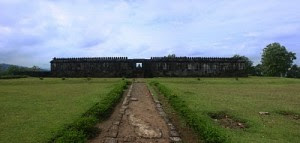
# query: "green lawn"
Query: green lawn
33,110
243,99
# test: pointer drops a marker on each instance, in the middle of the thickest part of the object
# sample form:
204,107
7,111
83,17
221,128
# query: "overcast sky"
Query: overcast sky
33,32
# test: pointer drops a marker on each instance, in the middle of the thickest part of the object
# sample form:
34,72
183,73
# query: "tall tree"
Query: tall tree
249,64
276,60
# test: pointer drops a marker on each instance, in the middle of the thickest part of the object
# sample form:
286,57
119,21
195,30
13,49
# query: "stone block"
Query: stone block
175,139
110,140
174,133
133,99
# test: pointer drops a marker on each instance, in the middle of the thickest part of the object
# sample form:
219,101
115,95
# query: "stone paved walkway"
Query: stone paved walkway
138,118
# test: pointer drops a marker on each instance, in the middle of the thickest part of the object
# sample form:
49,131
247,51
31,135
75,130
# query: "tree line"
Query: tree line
8,70
276,61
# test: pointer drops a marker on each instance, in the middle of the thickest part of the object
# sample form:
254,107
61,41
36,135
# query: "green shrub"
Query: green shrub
13,76
200,123
63,78
84,127
71,136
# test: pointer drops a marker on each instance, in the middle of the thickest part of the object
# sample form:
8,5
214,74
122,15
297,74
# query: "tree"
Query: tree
276,60
257,70
16,70
171,56
249,64
294,72
12,70
35,68
2,72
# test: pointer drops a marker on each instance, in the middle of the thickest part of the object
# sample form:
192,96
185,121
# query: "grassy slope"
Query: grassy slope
244,99
32,110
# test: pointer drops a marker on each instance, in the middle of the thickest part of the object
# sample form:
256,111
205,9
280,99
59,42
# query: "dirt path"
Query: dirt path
138,118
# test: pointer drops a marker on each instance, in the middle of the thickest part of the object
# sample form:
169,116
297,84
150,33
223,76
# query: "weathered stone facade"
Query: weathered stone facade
153,67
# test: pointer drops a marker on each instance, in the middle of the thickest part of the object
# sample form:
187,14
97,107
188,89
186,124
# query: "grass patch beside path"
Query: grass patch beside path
242,99
187,134
198,122
84,127
34,110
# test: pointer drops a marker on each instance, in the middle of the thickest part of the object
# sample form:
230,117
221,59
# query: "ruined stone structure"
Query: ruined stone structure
153,67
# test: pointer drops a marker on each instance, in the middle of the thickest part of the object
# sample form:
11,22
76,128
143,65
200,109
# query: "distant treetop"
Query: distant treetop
171,56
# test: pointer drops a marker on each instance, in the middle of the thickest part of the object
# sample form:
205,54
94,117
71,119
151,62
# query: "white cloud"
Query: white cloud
37,31
251,34
5,30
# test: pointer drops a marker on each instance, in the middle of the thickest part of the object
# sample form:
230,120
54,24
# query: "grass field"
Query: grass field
243,99
33,110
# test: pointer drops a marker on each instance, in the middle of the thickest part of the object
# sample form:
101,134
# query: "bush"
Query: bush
63,78
200,123
13,76
84,127
71,136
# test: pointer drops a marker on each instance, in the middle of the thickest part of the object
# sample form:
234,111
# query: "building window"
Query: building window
190,66
165,67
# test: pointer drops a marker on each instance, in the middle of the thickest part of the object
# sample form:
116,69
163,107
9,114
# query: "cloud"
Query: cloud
32,33
252,34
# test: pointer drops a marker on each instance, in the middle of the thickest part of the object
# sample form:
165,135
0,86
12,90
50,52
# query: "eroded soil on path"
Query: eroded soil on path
136,119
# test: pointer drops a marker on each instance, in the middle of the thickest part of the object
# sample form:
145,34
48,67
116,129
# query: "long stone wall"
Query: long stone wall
197,66
153,67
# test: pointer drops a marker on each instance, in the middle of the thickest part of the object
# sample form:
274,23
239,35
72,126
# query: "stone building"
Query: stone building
153,67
